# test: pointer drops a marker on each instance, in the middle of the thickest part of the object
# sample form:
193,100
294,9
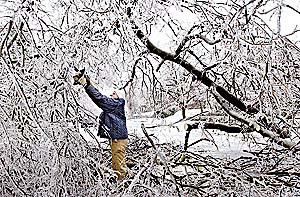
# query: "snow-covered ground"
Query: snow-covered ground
219,143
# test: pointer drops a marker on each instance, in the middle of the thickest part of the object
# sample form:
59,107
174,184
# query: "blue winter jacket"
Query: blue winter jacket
113,115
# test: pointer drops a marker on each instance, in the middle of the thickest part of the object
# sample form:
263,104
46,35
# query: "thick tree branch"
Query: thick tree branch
212,125
253,124
6,37
200,75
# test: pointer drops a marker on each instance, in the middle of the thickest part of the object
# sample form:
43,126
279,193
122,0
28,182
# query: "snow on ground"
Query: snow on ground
225,145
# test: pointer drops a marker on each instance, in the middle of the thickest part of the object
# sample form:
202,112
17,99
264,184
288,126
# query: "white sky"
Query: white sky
290,20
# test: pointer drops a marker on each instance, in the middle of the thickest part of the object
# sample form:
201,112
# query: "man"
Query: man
112,120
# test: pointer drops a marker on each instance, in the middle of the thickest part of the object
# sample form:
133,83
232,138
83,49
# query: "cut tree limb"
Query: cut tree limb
212,125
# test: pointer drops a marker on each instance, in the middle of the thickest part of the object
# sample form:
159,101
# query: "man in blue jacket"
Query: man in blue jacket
112,121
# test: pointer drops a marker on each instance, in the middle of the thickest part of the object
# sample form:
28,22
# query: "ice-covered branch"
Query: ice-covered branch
253,124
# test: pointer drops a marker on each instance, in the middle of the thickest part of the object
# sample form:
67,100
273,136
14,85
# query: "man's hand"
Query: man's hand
81,79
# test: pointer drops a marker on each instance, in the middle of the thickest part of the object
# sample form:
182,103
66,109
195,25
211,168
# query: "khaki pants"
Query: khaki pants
118,150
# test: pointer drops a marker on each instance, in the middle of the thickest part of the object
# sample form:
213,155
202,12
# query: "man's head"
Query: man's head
113,92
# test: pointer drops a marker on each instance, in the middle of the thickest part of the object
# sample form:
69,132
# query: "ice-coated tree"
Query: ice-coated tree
161,53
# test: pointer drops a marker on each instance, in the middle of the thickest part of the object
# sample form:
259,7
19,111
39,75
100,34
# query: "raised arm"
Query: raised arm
105,103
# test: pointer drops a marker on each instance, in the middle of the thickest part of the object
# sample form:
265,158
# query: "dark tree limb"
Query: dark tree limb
132,75
186,139
6,37
200,75
212,125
